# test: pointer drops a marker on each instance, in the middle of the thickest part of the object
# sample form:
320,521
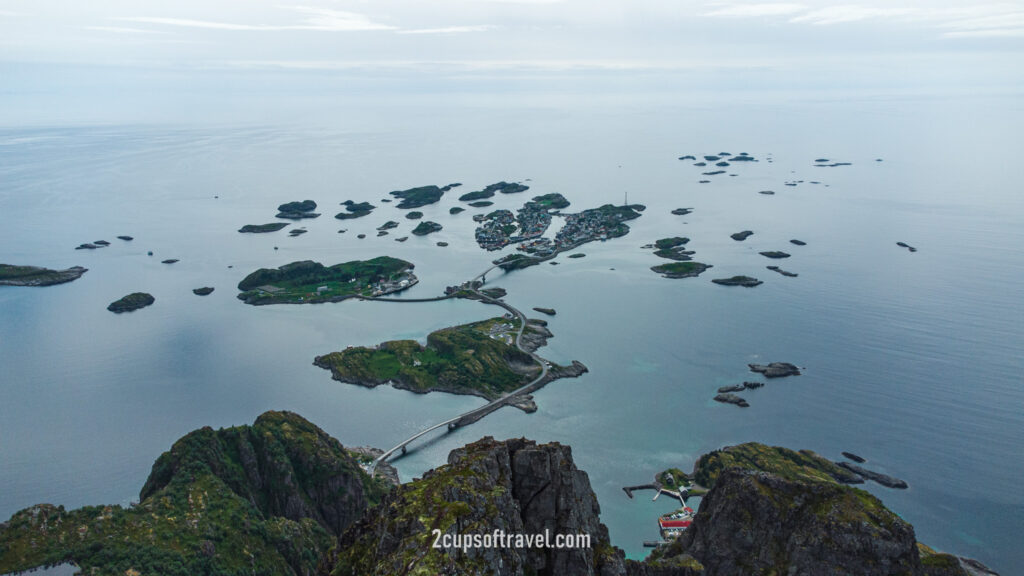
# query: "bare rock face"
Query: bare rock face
761,523
515,486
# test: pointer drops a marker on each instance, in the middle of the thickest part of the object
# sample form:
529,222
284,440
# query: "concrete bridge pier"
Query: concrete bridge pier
403,450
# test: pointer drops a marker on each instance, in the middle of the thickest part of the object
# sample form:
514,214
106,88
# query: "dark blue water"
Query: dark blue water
912,360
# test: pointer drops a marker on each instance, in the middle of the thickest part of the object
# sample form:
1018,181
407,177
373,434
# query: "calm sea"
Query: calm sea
913,360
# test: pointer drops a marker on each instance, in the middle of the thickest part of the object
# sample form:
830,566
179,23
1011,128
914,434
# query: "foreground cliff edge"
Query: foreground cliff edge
283,497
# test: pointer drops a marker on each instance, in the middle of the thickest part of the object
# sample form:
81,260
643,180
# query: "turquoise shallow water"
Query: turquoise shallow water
912,360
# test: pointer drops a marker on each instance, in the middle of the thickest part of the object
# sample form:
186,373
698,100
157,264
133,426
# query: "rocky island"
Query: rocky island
262,228
480,359
297,210
12,275
741,236
502,187
673,248
783,272
354,210
426,227
745,281
553,200
421,196
527,227
681,269
309,282
775,369
131,302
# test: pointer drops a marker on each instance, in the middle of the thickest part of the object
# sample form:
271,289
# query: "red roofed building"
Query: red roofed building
678,524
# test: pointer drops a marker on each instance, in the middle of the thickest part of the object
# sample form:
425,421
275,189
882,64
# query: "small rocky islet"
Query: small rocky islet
420,196
681,269
131,302
775,369
14,275
783,272
745,281
673,248
426,227
297,210
262,228
490,190
354,210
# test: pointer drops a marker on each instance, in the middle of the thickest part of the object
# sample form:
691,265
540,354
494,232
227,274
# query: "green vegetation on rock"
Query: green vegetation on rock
489,191
516,261
11,275
680,269
265,499
553,200
670,242
426,227
421,196
297,206
312,282
804,465
477,358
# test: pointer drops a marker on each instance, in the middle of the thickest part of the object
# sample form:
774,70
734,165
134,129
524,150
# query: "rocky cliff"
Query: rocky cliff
262,499
515,487
283,465
773,511
283,497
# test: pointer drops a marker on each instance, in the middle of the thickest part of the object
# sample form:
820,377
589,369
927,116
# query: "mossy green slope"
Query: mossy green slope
463,360
299,281
261,499
804,465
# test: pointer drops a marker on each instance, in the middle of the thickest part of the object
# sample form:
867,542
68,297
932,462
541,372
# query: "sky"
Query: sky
48,45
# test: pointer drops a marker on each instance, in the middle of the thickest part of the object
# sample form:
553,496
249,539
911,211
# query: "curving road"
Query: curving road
490,406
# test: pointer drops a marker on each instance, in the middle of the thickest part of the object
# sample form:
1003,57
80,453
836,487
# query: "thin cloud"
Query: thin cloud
757,10
988,33
448,30
123,30
849,13
523,1
319,19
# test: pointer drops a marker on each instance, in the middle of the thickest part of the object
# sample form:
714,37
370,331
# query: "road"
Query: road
492,405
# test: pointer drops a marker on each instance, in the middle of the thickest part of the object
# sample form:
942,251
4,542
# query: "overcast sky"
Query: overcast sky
105,59
489,34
